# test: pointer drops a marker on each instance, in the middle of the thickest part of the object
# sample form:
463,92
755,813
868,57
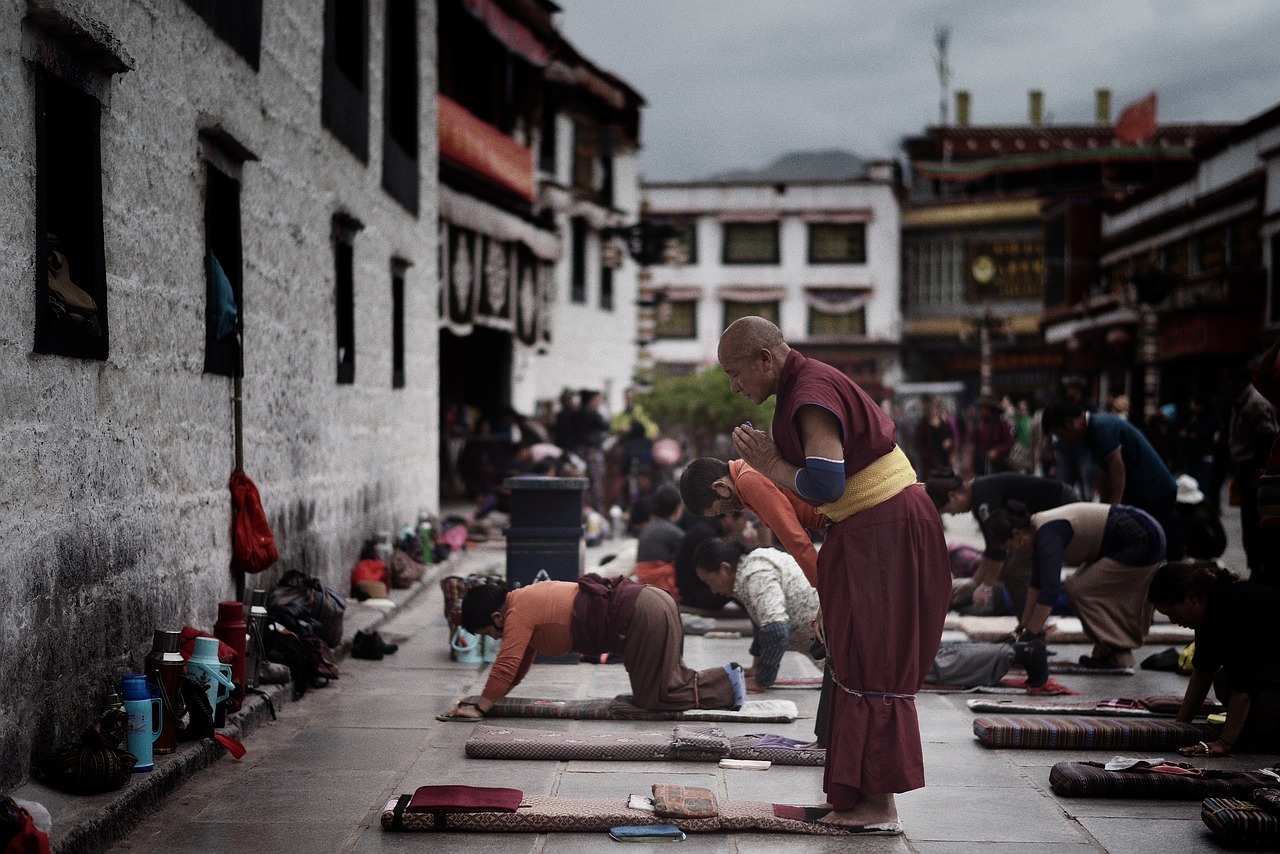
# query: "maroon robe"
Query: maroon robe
884,581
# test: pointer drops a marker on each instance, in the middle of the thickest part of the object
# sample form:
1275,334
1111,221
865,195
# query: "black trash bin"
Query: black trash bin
544,540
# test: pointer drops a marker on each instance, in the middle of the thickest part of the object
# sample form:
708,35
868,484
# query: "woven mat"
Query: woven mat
1089,733
1119,707
695,624
498,742
1091,780
621,709
1008,685
1242,822
539,814
1065,629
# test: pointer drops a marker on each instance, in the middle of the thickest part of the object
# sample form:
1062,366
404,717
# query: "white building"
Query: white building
819,258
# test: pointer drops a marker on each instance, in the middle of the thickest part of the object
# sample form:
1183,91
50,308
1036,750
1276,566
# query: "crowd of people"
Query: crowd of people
819,532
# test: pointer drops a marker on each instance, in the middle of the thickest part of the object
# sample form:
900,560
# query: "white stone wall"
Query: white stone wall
712,203
114,508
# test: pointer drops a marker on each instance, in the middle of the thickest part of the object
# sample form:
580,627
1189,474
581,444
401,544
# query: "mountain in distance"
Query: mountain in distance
828,165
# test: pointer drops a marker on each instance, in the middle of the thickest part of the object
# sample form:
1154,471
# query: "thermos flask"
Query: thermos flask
213,676
164,668
144,718
256,651
231,630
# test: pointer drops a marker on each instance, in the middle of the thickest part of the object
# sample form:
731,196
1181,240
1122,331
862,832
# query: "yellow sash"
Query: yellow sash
878,482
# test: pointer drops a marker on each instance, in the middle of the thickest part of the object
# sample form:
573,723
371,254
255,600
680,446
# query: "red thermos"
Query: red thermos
231,630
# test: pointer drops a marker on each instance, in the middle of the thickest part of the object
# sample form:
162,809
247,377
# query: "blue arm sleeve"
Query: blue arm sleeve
1046,564
773,643
821,480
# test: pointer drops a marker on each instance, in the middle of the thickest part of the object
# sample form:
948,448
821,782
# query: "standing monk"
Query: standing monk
884,580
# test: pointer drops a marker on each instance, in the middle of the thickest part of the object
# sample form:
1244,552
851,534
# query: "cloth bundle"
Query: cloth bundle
1250,822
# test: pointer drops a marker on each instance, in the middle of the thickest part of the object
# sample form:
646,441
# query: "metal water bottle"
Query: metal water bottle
231,630
256,651
164,668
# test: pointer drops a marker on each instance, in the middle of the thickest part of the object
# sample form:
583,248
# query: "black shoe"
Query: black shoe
371,646
1034,657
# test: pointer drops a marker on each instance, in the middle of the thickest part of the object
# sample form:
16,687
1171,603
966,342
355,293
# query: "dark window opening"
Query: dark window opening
71,286
344,97
397,323
578,274
675,319
606,180
837,243
224,278
1275,279
585,147
606,288
736,310
236,22
547,138
400,175
344,233
751,243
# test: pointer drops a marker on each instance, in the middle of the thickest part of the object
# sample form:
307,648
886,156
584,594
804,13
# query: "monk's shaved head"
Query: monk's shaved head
749,335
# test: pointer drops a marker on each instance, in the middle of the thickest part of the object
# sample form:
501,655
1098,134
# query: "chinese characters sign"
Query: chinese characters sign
1008,269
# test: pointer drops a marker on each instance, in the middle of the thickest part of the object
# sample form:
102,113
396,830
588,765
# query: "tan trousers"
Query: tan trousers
1110,598
653,654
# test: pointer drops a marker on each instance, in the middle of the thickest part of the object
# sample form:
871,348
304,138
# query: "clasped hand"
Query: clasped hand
756,448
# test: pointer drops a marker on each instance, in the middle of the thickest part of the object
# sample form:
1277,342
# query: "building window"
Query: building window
224,278
606,287
344,297
547,137
578,273
400,104
679,239
585,147
676,319
236,22
606,181
736,310
837,243
1213,249
751,243
837,312
398,269
344,96
1274,314
71,287
1246,243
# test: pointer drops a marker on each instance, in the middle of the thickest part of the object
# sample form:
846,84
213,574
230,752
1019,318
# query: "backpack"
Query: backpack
253,548
314,607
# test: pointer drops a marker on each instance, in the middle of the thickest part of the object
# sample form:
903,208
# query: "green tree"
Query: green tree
698,406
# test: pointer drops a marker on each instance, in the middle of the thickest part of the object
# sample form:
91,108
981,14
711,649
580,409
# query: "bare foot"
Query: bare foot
873,809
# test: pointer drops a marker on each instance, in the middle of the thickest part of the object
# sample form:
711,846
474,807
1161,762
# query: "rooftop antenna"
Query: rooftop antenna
942,38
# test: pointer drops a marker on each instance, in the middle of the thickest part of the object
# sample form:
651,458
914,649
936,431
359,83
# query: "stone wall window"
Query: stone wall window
837,243
400,175
236,22
736,309
73,59
676,318
751,243
224,317
398,269
578,271
344,94
606,287
345,229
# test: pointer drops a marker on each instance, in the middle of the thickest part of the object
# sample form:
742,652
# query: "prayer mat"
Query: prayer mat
1078,668
1120,707
797,682
692,743
1086,733
1243,822
1008,685
692,809
621,709
1065,629
1176,782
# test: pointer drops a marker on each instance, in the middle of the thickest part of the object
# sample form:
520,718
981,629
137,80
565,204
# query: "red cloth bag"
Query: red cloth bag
253,548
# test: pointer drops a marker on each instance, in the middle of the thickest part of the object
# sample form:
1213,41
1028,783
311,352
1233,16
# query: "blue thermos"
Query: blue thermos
144,718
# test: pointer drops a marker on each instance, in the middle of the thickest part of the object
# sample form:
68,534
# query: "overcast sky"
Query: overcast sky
736,83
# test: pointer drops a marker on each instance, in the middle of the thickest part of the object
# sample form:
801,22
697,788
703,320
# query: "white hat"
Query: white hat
1189,490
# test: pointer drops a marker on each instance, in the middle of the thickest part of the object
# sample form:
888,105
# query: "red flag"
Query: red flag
1137,121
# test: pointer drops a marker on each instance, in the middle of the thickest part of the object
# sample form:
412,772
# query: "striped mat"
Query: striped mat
1244,822
1089,733
621,709
1092,780
692,743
